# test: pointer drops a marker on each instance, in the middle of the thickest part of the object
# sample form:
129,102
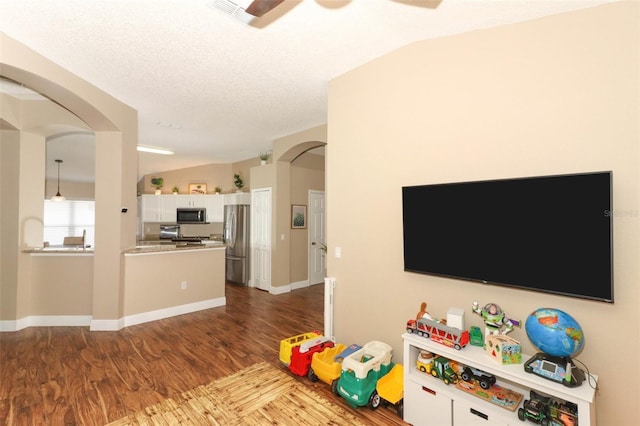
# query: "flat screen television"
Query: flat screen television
549,233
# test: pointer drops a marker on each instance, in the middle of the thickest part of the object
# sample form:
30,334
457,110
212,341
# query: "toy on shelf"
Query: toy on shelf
495,320
439,332
327,365
391,388
302,355
442,370
286,345
476,336
548,411
504,349
361,371
559,336
424,362
485,380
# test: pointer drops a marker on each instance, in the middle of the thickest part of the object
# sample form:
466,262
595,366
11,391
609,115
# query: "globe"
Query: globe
554,332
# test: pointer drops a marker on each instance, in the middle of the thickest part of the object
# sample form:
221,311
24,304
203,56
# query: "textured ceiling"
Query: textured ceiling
214,89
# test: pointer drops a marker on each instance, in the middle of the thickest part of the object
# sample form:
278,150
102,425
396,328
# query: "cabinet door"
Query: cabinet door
150,207
168,208
183,200
425,406
215,208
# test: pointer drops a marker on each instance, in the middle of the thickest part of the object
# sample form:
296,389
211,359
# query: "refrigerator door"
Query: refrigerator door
236,230
237,269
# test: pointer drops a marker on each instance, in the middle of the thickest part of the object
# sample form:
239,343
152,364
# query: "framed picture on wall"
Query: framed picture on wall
198,188
298,216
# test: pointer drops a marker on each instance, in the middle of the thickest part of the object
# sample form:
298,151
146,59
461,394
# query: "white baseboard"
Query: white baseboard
108,324
299,284
280,290
173,311
46,321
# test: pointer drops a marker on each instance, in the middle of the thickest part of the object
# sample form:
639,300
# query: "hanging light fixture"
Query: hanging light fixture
58,197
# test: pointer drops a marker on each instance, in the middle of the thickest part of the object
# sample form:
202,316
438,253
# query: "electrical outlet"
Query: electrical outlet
183,285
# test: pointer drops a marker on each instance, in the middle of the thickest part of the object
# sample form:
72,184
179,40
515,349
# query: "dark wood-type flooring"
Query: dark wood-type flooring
71,376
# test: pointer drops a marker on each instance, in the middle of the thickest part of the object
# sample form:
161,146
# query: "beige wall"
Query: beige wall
153,281
552,96
61,285
71,190
211,174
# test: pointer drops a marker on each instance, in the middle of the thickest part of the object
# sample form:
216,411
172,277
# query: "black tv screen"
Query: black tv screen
550,233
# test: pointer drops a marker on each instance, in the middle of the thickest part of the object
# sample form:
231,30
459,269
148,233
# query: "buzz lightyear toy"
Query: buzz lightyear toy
495,320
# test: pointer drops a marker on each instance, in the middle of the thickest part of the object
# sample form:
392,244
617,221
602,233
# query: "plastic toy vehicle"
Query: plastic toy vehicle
534,409
547,411
391,388
443,371
485,380
302,355
424,362
286,345
439,332
476,336
327,365
361,371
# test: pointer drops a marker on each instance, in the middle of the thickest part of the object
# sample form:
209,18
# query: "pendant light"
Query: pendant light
58,197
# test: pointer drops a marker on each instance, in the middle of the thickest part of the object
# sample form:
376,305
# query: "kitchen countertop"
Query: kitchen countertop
141,247
151,247
59,250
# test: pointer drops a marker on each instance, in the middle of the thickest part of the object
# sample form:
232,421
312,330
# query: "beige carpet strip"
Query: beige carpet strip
258,395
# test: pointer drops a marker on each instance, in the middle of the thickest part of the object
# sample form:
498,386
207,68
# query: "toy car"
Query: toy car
327,365
286,345
485,380
361,371
443,371
424,362
302,355
534,409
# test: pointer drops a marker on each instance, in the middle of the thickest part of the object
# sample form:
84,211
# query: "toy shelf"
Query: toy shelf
420,387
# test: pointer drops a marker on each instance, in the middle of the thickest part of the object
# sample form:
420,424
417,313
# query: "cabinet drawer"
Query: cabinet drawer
425,406
480,414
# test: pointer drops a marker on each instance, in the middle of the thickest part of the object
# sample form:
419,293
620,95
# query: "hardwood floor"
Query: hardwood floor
71,376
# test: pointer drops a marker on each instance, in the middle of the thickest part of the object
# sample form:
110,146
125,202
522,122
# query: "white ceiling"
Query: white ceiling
216,90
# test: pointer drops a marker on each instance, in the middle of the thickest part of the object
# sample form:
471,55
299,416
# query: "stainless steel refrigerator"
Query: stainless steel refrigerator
236,237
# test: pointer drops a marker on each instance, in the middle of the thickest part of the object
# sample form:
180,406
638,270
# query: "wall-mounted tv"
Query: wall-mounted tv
549,233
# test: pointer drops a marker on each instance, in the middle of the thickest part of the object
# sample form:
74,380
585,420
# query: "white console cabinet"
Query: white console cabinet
429,401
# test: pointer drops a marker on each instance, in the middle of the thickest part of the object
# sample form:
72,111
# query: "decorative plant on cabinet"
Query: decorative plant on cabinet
157,183
238,182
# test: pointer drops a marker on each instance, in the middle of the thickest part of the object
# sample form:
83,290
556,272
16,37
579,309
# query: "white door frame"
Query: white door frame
316,236
261,201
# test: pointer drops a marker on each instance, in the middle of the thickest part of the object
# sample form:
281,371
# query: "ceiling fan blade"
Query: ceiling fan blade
260,7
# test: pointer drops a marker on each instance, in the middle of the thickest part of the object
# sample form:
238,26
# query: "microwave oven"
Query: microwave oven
192,215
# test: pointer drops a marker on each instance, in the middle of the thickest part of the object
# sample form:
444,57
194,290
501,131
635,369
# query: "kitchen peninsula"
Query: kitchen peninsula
159,281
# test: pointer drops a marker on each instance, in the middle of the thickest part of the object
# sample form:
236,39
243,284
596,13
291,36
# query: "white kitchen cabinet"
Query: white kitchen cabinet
191,201
213,203
157,208
237,198
215,208
427,398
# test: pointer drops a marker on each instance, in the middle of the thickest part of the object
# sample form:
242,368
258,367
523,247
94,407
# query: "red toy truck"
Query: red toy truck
302,355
